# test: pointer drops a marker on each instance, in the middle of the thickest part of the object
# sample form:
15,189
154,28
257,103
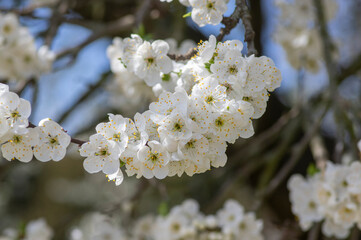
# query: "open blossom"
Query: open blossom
19,144
151,60
53,141
114,130
208,11
154,160
14,109
100,154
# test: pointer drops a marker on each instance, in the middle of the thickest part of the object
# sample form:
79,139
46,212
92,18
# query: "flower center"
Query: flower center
53,140
209,99
149,61
210,5
102,152
312,205
15,114
191,144
7,28
177,126
219,122
153,157
233,70
175,227
116,137
242,225
17,139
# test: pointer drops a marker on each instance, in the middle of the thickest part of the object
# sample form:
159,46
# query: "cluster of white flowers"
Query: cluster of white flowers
332,196
19,58
183,222
46,142
297,34
128,83
213,99
205,11
34,230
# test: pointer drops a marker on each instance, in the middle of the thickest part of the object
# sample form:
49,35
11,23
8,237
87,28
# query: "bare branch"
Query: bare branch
296,154
55,21
240,12
179,57
123,24
84,97
353,68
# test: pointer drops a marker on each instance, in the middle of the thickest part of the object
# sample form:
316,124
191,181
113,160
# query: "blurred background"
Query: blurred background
81,90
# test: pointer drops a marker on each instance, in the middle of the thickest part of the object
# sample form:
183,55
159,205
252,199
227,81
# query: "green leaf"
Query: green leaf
163,209
187,15
312,169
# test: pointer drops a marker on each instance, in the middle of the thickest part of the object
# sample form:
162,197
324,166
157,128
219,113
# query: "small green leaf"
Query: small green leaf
312,169
121,163
163,209
187,15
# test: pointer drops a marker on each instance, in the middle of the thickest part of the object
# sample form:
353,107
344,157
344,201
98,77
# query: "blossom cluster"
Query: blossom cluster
332,196
19,58
46,142
184,221
212,102
297,33
127,82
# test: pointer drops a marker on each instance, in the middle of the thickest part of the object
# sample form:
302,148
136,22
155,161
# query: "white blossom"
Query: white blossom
53,141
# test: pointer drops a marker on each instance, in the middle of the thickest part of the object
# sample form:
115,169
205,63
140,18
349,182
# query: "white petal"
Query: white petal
92,164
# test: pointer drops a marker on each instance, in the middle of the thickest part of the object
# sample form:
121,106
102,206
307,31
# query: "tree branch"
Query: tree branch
179,57
296,154
123,24
85,96
353,68
240,12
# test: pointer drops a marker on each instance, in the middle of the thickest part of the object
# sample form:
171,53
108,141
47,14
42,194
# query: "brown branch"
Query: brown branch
123,24
55,21
28,10
73,140
353,68
179,57
142,11
241,11
24,84
85,96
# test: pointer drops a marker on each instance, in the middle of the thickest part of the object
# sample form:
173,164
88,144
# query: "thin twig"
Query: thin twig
313,234
123,24
353,68
241,11
142,11
28,10
85,96
55,21
22,86
296,154
179,57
